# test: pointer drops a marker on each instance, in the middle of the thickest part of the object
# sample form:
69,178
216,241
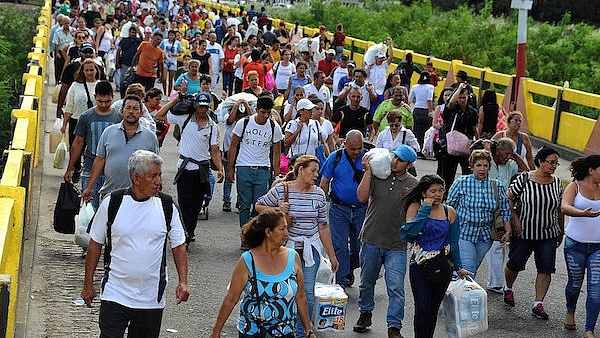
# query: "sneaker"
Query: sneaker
538,311
497,289
227,206
394,332
509,298
363,322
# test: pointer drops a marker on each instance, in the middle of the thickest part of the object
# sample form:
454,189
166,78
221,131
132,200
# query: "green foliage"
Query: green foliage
16,34
555,53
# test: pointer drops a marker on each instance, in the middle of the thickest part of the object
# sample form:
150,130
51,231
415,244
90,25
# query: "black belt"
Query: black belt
336,200
255,167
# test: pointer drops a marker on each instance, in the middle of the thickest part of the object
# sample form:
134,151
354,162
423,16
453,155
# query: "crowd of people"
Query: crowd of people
329,203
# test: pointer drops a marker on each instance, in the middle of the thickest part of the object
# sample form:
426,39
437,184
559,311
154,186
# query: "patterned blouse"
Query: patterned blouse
277,294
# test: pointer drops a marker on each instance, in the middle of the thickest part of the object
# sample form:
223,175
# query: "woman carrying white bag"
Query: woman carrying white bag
432,230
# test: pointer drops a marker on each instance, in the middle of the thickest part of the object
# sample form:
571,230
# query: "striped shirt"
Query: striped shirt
539,208
475,203
308,209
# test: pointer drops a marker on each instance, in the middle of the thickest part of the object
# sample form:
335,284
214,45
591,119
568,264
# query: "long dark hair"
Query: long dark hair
416,194
253,232
580,167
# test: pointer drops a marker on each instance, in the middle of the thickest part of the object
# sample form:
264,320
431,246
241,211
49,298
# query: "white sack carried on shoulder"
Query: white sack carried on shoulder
380,162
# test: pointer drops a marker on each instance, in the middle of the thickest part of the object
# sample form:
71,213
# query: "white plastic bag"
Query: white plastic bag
303,45
82,238
109,61
465,308
428,142
225,106
324,273
329,311
61,158
55,93
55,135
369,58
380,162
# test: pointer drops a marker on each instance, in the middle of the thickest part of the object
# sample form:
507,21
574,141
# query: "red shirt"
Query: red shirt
327,67
229,57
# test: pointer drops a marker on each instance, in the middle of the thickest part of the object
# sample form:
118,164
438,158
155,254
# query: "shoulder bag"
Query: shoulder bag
458,143
320,150
185,105
90,104
497,223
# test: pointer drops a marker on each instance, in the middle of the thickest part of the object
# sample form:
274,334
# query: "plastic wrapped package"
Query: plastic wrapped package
465,308
329,312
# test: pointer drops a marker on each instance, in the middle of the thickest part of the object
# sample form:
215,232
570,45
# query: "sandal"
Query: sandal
570,327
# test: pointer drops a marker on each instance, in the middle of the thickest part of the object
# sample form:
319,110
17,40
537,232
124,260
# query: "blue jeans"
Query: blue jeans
212,181
250,184
345,224
428,296
310,275
95,195
580,257
394,261
472,254
228,78
226,184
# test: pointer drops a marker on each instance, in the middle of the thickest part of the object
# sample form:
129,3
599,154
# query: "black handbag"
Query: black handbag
67,206
436,268
184,106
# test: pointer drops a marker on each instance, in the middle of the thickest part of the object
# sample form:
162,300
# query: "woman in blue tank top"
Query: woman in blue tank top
270,276
432,231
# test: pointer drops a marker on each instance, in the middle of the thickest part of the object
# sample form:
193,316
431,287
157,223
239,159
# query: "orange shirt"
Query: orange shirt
149,60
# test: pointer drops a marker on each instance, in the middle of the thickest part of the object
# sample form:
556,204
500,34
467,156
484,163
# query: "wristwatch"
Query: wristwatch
310,333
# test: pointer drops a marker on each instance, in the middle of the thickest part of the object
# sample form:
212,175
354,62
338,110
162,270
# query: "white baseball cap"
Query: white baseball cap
304,104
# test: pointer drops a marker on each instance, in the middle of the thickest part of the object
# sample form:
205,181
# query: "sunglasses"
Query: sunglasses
395,125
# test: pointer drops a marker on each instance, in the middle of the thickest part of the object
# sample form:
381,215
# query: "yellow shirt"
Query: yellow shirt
276,55
185,45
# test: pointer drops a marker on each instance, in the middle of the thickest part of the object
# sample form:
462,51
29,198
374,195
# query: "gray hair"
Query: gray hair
506,142
140,161
194,61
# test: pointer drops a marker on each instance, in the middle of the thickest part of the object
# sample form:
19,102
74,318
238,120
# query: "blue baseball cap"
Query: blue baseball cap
203,100
406,153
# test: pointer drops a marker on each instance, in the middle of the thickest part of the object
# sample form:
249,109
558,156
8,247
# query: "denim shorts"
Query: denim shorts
544,253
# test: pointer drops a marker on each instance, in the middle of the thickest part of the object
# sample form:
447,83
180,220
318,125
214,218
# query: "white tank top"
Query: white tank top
584,229
105,43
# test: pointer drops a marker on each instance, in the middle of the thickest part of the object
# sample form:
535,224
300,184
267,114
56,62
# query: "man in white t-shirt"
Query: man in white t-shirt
318,87
217,57
257,139
135,276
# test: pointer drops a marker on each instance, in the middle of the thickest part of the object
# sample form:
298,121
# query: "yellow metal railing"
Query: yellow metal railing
15,181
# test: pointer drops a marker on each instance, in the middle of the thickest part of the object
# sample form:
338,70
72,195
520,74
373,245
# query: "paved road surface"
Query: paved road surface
53,275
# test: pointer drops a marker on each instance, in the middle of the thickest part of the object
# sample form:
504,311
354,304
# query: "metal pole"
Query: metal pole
523,6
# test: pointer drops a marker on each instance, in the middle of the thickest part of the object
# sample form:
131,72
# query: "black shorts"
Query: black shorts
544,254
115,318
